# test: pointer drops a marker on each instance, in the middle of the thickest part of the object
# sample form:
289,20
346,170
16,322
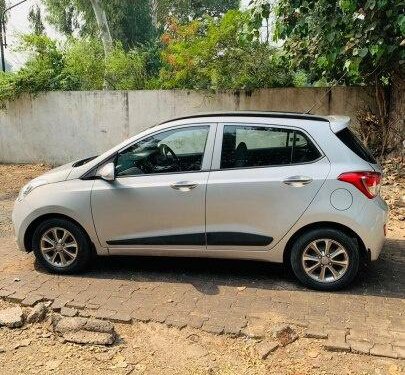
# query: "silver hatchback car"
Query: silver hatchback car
280,187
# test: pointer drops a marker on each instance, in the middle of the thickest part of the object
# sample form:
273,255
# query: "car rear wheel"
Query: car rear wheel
61,246
325,259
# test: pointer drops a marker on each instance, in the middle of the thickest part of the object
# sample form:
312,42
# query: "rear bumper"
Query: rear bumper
373,219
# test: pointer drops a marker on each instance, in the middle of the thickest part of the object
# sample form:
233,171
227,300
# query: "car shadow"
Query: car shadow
384,277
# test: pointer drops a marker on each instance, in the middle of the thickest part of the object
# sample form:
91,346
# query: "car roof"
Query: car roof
336,122
270,114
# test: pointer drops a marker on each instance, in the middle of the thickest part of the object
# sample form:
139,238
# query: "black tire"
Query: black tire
83,249
342,238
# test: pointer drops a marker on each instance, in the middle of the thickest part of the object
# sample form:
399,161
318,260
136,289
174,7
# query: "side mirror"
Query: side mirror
107,172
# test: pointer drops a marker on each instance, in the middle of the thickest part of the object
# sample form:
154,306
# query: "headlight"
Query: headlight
30,187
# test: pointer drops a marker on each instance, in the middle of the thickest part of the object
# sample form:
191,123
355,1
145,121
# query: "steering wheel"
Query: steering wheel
165,150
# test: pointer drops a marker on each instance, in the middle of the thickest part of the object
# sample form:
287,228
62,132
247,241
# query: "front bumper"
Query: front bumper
19,216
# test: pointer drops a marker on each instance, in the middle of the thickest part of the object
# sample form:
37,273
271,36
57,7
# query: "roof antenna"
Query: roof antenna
318,103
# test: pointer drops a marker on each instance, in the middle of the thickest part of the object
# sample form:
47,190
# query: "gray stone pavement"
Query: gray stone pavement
222,296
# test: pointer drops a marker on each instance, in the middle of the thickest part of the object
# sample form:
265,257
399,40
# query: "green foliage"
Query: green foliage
359,44
63,15
44,69
2,5
261,10
349,41
84,64
186,10
42,72
78,64
219,54
209,53
129,23
126,70
35,19
356,42
300,79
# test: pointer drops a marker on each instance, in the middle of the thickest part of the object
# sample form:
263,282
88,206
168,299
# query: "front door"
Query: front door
263,179
157,201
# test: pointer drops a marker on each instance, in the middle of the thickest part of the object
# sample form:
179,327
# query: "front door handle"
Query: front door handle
184,185
297,181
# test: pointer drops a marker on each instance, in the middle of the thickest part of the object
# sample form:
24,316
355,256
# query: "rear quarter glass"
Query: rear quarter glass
353,143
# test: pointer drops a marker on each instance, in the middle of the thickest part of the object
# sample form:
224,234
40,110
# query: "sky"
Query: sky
18,24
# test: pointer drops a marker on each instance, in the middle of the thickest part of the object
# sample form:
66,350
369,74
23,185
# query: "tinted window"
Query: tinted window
258,146
304,150
351,141
178,150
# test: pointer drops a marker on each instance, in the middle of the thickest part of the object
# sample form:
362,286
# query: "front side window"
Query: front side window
177,150
259,146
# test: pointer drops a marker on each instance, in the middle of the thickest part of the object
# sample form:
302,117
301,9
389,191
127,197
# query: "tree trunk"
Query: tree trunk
105,34
154,12
382,98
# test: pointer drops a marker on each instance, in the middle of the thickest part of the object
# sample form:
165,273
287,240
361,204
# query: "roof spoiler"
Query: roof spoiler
338,123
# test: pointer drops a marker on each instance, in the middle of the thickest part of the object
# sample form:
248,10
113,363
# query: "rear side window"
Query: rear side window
351,141
259,146
304,150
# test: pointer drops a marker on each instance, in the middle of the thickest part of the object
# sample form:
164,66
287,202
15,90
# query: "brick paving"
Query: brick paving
221,296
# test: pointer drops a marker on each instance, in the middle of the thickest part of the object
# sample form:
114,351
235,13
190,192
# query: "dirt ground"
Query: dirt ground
393,191
12,178
156,349
149,348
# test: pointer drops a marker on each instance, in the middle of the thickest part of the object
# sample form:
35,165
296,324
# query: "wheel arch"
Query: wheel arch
364,253
29,233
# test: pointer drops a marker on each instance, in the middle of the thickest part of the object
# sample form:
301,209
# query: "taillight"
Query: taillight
367,182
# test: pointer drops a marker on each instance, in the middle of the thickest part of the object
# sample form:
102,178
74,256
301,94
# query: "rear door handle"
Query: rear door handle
184,185
297,181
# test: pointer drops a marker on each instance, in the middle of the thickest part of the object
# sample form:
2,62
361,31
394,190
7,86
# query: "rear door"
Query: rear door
262,180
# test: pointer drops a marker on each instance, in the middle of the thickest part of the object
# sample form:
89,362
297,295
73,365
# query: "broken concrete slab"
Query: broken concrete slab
383,350
284,334
12,317
336,344
68,311
360,346
315,333
86,331
97,325
264,348
70,324
23,343
37,314
88,337
254,330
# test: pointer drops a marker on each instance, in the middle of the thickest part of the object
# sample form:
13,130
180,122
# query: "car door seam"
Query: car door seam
309,204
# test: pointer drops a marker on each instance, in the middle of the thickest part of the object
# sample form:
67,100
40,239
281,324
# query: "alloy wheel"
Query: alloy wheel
325,260
59,247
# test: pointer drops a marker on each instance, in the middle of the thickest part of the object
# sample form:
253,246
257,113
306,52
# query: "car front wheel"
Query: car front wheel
325,259
61,246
